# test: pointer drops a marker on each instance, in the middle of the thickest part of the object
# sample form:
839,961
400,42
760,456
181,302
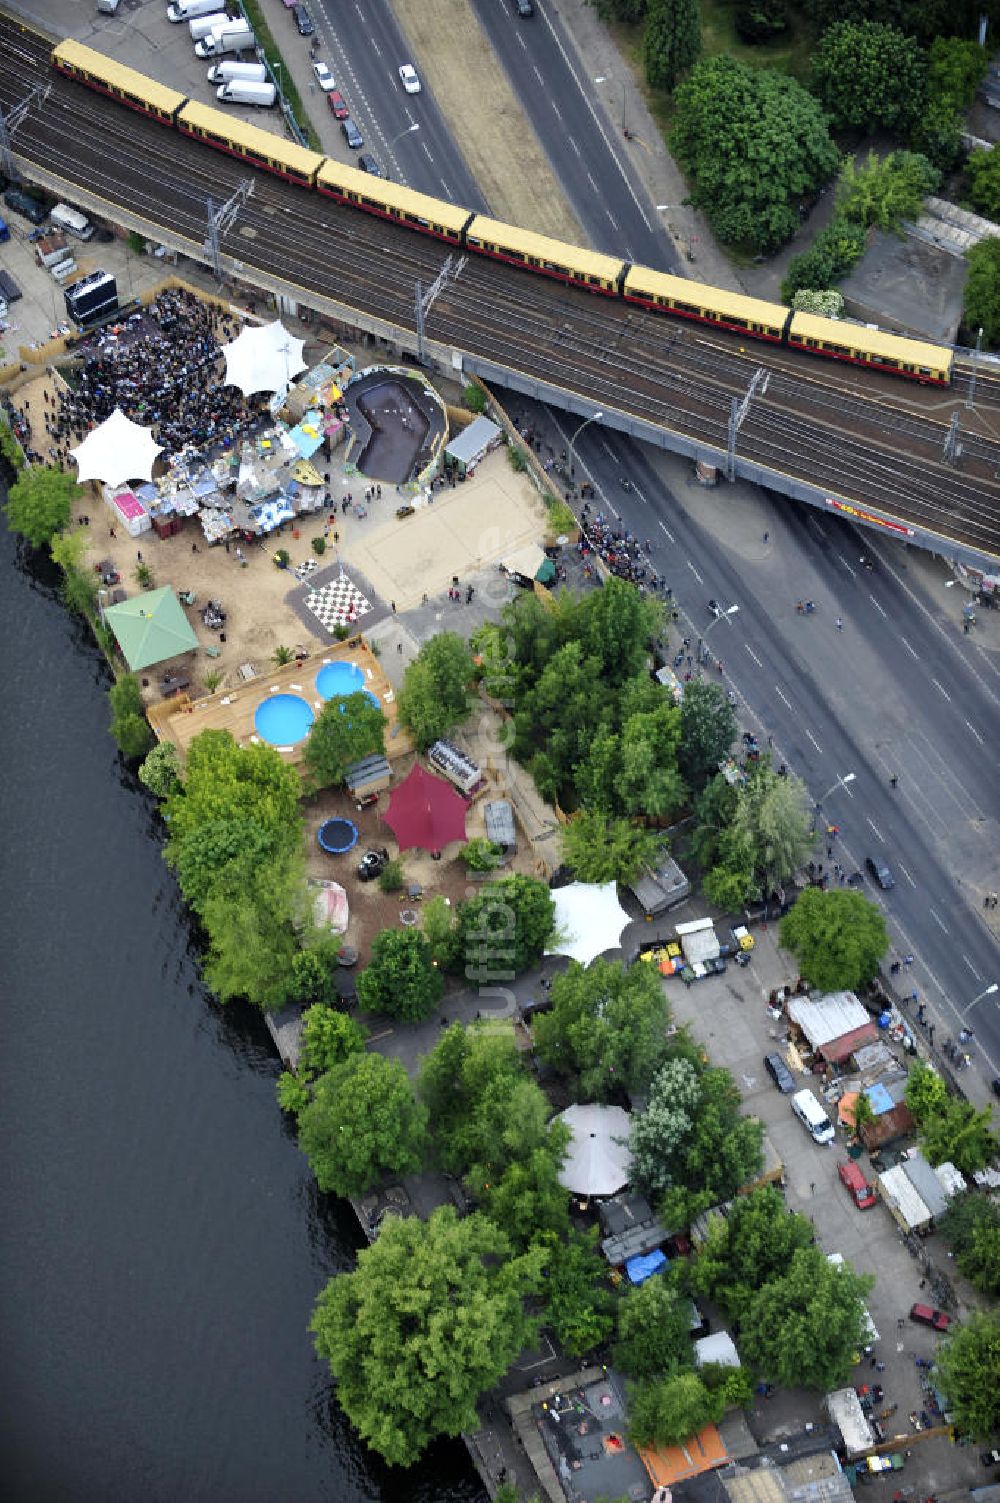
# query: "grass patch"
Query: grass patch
789,54
254,13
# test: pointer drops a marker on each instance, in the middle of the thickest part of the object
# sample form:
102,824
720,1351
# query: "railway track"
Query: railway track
868,439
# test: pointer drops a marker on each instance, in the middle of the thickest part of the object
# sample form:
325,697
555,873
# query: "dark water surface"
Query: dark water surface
161,1240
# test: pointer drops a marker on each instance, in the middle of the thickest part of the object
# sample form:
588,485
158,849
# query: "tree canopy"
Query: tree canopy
129,725
362,1121
869,76
883,192
671,40
668,1411
972,1225
347,728
328,1039
983,177
432,1316
578,1305
435,690
161,772
708,730
654,1329
804,1327
250,914
607,1027
753,144
401,979
837,937
40,503
602,849
982,292
968,1373
504,928
748,1248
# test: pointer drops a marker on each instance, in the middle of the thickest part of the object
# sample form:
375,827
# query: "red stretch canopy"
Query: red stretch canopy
426,812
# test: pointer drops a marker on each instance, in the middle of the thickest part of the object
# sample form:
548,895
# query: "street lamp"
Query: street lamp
407,132
848,777
595,417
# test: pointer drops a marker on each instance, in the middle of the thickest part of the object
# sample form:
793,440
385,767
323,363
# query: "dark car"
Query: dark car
303,21
524,7
371,164
779,1073
996,1085
23,203
337,105
879,871
925,1315
352,135
372,864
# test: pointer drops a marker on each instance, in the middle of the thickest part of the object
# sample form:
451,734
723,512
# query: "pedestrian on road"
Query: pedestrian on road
812,1189
766,536
894,781
840,624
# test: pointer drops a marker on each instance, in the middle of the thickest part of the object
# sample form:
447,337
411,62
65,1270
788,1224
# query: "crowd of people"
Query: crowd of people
163,368
623,554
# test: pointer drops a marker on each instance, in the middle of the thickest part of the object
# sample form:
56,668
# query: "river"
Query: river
162,1241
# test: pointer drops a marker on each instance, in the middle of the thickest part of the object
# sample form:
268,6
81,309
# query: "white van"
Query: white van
202,25
235,36
72,221
220,73
812,1116
245,91
186,10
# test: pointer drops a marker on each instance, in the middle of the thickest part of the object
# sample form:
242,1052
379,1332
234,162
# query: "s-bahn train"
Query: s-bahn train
589,270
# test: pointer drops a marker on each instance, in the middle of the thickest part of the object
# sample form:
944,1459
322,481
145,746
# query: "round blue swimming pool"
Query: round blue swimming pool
334,679
283,719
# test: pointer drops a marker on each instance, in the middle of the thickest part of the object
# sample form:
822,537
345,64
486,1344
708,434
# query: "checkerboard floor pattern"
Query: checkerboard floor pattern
333,603
302,571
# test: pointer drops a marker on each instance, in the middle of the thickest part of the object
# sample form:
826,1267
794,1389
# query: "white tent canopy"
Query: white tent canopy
589,920
117,451
263,358
598,1161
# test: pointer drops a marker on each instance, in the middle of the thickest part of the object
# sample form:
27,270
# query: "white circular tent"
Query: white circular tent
598,1160
263,358
117,451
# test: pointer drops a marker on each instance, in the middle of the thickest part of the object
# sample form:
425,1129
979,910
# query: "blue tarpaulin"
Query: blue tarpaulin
641,1269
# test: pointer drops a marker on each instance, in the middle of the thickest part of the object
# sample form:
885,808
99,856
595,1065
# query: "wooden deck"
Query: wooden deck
180,720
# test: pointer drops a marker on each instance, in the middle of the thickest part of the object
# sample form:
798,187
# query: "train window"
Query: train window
835,349
685,307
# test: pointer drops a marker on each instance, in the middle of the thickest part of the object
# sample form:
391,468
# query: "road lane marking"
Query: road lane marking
784,701
556,109
878,607
875,827
753,654
972,968
694,571
910,649
906,874
938,919
666,529
943,690
815,743
972,728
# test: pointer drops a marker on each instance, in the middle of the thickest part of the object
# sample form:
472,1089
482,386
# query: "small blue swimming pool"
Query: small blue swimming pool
334,679
283,720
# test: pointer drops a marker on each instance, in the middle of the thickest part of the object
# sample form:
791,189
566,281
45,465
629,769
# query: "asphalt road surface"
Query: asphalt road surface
893,692
364,48
564,107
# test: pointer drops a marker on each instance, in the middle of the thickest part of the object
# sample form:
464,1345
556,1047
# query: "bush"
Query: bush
129,726
833,253
760,21
319,546
474,397
517,457
391,877
481,855
282,558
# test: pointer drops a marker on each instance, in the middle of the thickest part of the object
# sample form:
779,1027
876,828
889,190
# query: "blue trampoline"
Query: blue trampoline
338,835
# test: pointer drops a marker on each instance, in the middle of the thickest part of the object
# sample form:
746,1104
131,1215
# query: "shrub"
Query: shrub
319,546
391,876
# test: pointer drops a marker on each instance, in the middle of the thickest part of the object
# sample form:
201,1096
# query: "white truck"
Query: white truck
245,91
202,25
187,10
235,36
221,73
70,220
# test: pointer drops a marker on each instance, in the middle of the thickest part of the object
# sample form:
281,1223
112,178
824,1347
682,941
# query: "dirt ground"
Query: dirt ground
481,109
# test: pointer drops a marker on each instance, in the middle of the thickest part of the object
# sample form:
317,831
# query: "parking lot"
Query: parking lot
730,1015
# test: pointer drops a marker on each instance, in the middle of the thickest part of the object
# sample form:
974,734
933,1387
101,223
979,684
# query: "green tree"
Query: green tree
402,980
647,781
161,771
760,21
654,1329
671,41
526,1199
968,1373
983,178
883,192
805,1327
578,1306
837,937
236,803
753,144
668,1411
607,1027
955,69
251,913
972,1225
363,1121
437,920
869,76
432,1316
926,1092
748,1248
504,929
601,849
982,291
129,725
346,729
481,855
959,1134
714,812
40,503
314,972
328,1039
616,625
772,815
435,690
708,730
467,1083
834,252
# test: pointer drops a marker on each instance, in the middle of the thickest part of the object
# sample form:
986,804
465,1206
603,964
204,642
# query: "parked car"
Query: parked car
23,203
408,78
372,864
303,21
337,105
852,1179
926,1315
879,872
324,77
352,135
371,164
779,1073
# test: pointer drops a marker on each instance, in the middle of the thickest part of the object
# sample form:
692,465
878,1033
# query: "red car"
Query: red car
861,1191
924,1315
338,104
